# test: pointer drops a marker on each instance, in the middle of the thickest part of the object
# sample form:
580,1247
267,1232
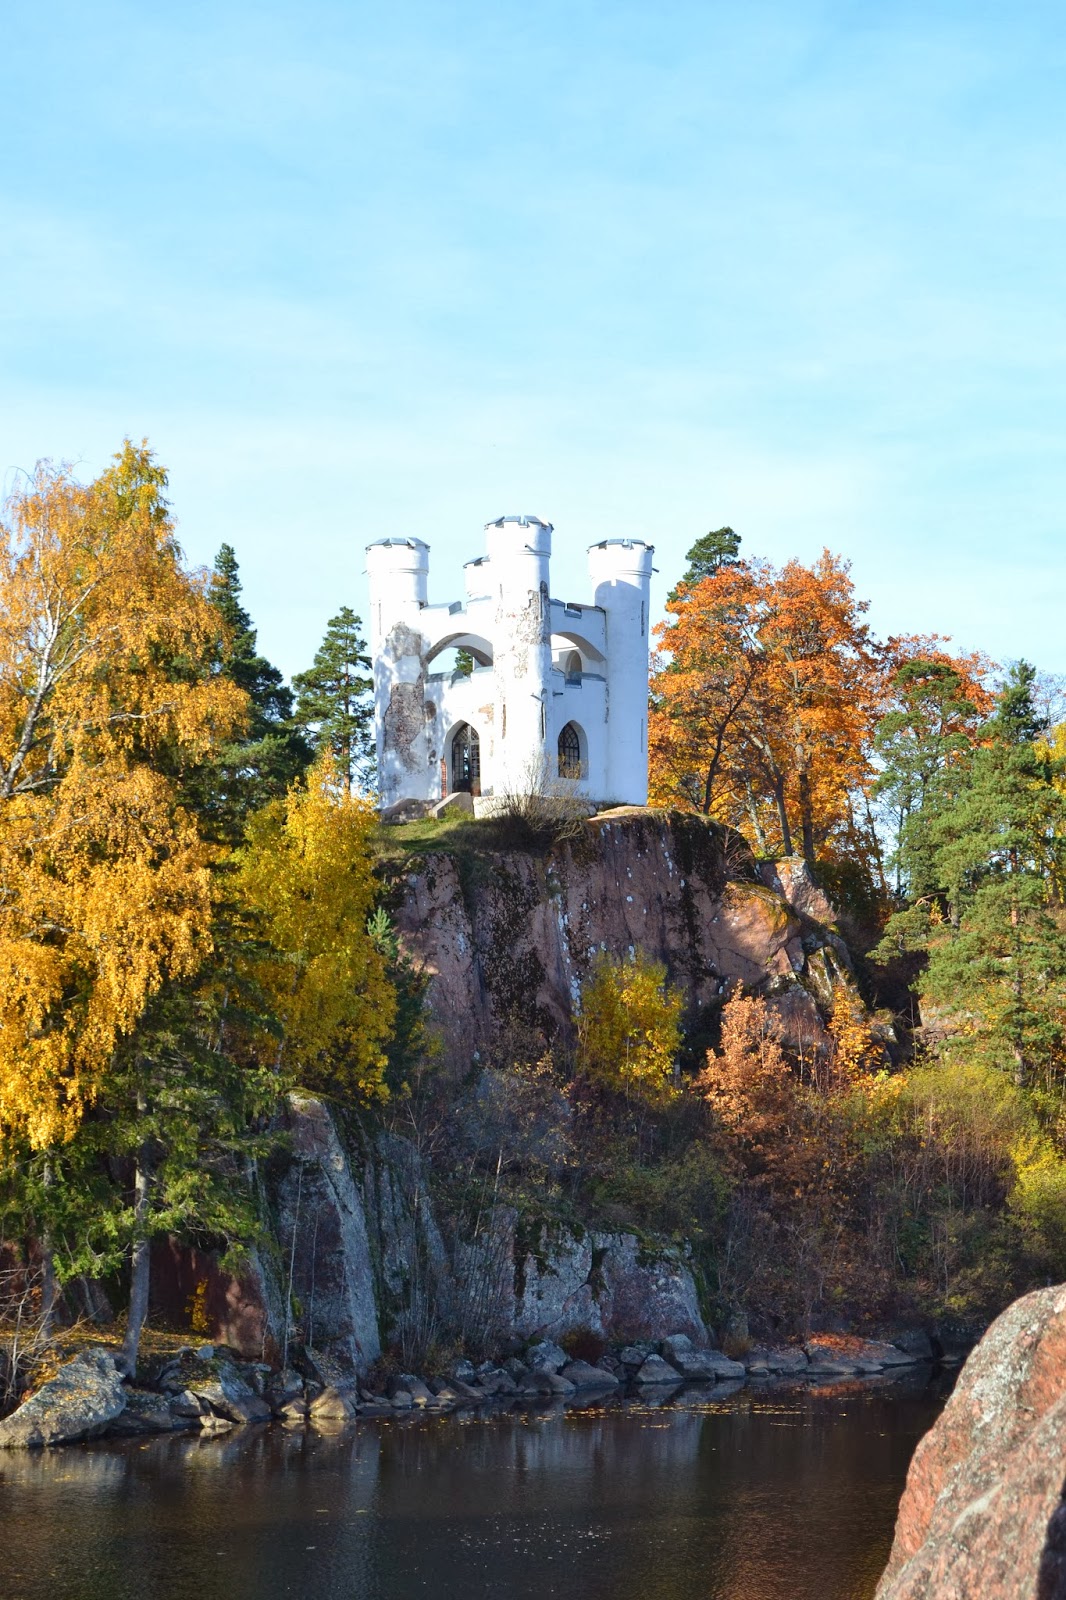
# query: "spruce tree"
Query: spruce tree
273,751
334,701
992,848
930,728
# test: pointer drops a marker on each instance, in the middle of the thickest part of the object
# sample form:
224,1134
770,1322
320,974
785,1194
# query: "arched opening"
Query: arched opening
572,666
570,754
593,655
466,760
471,643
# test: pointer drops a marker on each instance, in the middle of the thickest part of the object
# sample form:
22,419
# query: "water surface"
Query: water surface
771,1495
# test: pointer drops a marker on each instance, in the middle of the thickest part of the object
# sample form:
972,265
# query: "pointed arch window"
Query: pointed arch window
466,760
570,752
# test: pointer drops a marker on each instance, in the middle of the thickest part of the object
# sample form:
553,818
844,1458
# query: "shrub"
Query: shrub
629,1028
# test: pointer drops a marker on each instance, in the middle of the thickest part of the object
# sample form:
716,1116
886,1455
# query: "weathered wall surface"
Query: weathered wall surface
512,935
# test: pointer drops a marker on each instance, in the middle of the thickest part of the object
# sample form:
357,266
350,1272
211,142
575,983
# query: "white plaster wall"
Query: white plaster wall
398,571
621,575
521,703
519,554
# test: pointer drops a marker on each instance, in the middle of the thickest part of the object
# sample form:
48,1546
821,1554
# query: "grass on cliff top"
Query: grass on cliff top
458,833
448,833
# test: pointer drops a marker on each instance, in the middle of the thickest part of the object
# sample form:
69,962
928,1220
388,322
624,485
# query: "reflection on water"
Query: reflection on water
772,1495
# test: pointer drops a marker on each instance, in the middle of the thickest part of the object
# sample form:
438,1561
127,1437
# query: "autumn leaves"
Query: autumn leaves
766,695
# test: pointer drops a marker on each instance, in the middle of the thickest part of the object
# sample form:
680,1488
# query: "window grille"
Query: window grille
569,752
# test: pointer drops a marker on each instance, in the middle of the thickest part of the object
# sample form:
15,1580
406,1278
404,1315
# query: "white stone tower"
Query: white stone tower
621,571
548,691
519,552
398,570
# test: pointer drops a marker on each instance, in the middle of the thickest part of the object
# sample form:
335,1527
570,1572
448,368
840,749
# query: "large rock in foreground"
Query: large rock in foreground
80,1402
982,1516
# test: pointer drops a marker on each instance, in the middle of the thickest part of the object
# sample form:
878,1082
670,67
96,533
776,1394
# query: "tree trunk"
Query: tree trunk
140,1260
49,1288
807,820
756,823
782,815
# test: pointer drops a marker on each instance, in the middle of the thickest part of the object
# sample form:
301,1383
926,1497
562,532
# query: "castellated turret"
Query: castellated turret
550,694
621,571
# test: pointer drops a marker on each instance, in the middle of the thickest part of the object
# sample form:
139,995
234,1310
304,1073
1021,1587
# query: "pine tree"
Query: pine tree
992,843
246,773
936,705
334,699
712,552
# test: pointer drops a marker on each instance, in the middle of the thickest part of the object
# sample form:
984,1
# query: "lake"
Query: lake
774,1494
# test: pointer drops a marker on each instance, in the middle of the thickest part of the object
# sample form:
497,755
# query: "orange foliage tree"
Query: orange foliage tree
765,692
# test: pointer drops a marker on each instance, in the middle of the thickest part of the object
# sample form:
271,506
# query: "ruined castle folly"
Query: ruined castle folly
558,692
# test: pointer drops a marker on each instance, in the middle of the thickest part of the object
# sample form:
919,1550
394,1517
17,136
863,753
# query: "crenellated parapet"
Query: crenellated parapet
556,697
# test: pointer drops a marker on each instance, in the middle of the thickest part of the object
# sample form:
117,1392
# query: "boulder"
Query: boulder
982,1514
656,1370
546,1356
331,1406
283,1387
421,1394
843,1355
444,1394
916,1343
465,1393
80,1402
147,1412
700,1365
785,1360
584,1376
676,1344
497,1382
229,1395
188,1405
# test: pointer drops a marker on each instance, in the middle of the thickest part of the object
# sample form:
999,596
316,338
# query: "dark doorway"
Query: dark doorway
466,760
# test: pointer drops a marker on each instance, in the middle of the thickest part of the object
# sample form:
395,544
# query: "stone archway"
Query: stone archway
465,760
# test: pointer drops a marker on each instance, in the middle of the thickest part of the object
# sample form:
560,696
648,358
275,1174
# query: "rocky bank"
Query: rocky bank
983,1516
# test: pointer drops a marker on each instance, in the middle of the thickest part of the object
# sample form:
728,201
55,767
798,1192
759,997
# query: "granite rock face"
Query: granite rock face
80,1402
512,934
983,1513
322,1231
607,1284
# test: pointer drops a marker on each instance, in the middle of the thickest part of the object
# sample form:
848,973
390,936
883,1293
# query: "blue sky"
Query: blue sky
365,270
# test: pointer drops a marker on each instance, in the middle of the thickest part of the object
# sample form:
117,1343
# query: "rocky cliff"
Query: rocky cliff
362,1260
506,935
361,1257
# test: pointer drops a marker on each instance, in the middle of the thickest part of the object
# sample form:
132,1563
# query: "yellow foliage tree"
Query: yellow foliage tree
629,1027
306,874
106,691
857,1054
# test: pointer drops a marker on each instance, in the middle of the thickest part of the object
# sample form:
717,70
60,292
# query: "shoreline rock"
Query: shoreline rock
213,1391
983,1512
